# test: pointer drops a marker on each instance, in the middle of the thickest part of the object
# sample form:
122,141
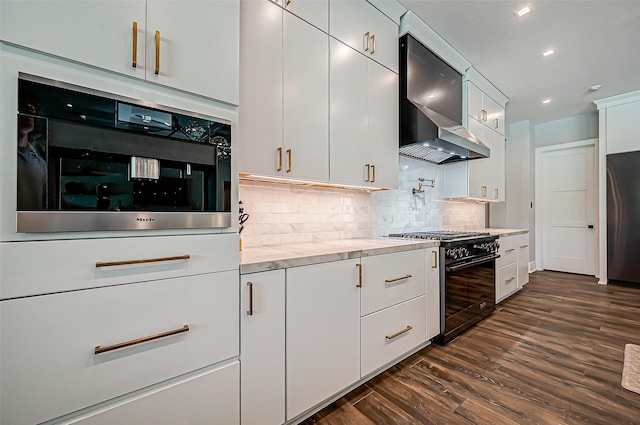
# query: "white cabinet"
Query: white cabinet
484,109
367,30
142,39
316,12
506,281
66,351
364,120
323,332
432,292
262,345
284,93
523,259
210,397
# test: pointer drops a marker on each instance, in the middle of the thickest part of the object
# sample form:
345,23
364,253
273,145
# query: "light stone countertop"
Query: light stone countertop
274,257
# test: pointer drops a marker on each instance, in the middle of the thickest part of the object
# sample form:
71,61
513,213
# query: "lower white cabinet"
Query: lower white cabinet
523,259
262,344
67,351
506,281
432,292
388,334
211,397
322,331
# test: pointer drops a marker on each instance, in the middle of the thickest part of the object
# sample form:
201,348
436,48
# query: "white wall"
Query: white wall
571,129
289,214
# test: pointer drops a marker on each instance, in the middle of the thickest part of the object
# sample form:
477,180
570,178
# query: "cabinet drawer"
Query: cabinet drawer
508,251
386,334
523,259
66,265
507,281
391,278
210,398
49,366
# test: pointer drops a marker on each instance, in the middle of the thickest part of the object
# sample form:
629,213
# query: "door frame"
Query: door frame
539,198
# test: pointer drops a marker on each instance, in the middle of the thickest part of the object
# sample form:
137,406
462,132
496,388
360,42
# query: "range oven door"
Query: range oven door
468,292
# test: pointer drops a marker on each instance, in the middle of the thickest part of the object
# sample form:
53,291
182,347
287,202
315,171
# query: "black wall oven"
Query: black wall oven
90,161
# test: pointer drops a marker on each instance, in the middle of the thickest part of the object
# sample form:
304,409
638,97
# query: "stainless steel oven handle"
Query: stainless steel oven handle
472,263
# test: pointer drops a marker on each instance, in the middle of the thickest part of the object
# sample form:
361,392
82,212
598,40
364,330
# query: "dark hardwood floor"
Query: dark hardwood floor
550,354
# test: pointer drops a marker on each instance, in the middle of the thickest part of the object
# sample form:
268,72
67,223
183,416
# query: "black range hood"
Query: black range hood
431,108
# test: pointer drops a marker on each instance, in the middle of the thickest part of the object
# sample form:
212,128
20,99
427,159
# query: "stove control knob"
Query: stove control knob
465,252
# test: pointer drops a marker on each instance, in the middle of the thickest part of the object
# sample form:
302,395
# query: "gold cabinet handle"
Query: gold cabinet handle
290,167
435,259
279,159
157,52
373,44
497,193
373,173
483,191
366,43
135,45
250,310
99,349
484,115
288,2
509,250
524,246
368,172
407,329
510,279
142,261
398,279
359,266
496,123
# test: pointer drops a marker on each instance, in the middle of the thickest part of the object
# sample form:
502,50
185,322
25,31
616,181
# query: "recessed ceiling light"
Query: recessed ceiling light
546,101
595,88
548,52
69,105
523,11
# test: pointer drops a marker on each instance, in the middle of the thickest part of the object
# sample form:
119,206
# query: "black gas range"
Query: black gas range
467,277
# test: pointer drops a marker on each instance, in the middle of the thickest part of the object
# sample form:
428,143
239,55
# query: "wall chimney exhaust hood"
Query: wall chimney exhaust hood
431,108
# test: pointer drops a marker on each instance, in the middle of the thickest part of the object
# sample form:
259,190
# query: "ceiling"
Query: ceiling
596,43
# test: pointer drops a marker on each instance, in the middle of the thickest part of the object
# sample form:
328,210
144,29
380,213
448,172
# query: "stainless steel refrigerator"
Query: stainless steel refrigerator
623,217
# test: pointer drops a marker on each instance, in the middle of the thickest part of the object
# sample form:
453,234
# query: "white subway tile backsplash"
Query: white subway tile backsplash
281,214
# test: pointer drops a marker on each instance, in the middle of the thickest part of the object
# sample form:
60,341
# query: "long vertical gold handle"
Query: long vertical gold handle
359,266
157,52
373,173
497,193
373,44
435,259
366,44
279,159
484,115
290,167
250,311
368,172
496,123
99,349
407,329
134,60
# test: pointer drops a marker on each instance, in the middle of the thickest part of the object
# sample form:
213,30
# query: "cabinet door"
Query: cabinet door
262,347
260,118
323,332
478,185
495,114
506,281
306,100
97,33
474,103
199,44
349,116
210,397
432,292
383,125
316,12
349,22
523,259
384,45
496,170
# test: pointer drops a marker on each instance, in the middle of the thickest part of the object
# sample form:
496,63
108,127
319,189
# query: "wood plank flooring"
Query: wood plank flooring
551,354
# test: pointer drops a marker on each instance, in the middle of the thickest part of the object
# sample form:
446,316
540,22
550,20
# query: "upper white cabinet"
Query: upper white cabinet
364,28
484,109
315,12
187,45
364,120
284,93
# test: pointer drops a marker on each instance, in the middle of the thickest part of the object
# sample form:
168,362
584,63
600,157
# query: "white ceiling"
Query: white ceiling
597,42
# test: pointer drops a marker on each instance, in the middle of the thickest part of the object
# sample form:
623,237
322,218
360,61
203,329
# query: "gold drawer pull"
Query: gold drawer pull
509,250
407,329
250,310
143,261
157,70
510,279
435,260
398,278
135,45
359,266
524,246
99,349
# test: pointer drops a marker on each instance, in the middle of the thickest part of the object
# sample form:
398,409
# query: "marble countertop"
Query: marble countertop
274,257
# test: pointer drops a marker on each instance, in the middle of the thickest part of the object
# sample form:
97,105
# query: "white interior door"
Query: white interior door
567,204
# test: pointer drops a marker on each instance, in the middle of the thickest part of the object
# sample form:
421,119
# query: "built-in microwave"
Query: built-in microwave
92,161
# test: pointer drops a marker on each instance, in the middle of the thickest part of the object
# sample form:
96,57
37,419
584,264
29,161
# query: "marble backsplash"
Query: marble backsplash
288,214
